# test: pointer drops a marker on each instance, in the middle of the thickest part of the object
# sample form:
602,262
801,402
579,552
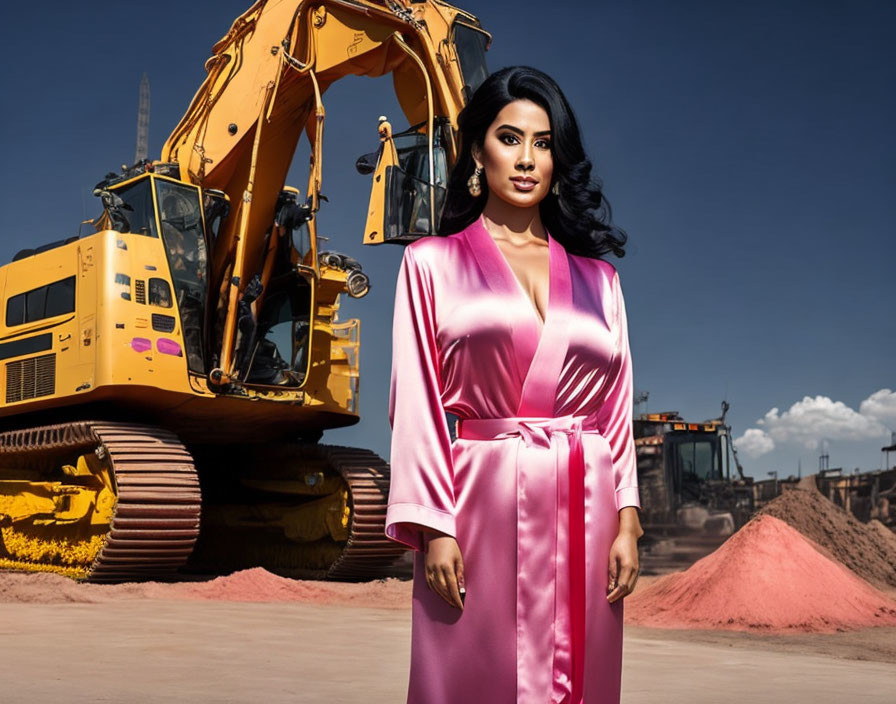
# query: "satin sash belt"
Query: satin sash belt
568,675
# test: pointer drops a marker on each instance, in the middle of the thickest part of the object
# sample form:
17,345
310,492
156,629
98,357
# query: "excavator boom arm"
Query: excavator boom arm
266,78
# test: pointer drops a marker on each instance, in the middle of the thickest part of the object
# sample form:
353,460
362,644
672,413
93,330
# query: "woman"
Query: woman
526,526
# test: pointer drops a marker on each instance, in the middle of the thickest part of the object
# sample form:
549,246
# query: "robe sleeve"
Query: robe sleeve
616,412
421,485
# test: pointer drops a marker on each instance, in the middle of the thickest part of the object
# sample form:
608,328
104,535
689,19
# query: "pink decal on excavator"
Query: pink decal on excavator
166,346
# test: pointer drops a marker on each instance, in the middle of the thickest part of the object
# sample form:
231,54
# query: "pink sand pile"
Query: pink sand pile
256,584
766,577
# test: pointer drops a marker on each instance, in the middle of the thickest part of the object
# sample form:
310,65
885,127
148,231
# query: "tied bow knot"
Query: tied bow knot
536,432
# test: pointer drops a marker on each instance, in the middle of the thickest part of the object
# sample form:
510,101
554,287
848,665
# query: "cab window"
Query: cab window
57,298
138,210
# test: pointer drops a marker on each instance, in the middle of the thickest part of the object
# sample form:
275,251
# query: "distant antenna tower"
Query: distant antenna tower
143,121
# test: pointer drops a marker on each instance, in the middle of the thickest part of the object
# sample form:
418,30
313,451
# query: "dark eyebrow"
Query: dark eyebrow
521,133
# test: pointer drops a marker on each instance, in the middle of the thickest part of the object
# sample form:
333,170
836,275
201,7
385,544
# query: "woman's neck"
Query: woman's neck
515,224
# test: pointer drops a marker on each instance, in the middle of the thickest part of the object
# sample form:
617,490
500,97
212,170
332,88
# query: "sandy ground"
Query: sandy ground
144,650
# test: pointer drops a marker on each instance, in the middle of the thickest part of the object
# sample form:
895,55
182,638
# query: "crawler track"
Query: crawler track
369,553
156,518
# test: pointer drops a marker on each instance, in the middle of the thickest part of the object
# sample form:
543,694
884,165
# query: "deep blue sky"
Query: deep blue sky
747,148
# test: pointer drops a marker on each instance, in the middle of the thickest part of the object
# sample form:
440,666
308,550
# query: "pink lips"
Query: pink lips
523,183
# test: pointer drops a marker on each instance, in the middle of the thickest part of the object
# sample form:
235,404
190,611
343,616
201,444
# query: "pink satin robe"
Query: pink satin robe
533,501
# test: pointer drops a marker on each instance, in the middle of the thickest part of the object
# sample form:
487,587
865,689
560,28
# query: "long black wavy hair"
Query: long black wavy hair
579,217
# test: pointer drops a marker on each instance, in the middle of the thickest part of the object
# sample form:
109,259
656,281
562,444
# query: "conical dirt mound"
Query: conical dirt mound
861,547
766,577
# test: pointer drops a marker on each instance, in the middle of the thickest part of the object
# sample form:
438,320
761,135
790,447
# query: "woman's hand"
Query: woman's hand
623,569
444,568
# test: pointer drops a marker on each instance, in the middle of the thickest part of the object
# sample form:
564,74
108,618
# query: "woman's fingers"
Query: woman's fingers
444,584
441,584
453,589
628,574
622,570
444,569
619,592
624,582
459,571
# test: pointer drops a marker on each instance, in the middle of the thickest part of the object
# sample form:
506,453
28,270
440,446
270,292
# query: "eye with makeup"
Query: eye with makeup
510,139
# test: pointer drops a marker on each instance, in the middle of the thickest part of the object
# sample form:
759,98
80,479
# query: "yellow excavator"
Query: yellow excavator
167,378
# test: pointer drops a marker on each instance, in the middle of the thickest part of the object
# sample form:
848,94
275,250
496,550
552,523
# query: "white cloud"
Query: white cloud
755,443
812,420
881,406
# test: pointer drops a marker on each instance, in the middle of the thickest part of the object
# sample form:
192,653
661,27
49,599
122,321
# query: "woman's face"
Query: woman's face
516,154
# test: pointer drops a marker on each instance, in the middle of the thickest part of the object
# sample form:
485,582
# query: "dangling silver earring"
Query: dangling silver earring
555,189
473,184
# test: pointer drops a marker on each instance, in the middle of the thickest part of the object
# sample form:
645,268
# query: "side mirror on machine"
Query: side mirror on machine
115,206
366,163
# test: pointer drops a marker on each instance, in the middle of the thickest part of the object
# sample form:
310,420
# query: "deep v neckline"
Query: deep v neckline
542,321
539,348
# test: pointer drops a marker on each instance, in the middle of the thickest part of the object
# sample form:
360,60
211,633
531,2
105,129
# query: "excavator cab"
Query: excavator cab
408,191
414,174
694,459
